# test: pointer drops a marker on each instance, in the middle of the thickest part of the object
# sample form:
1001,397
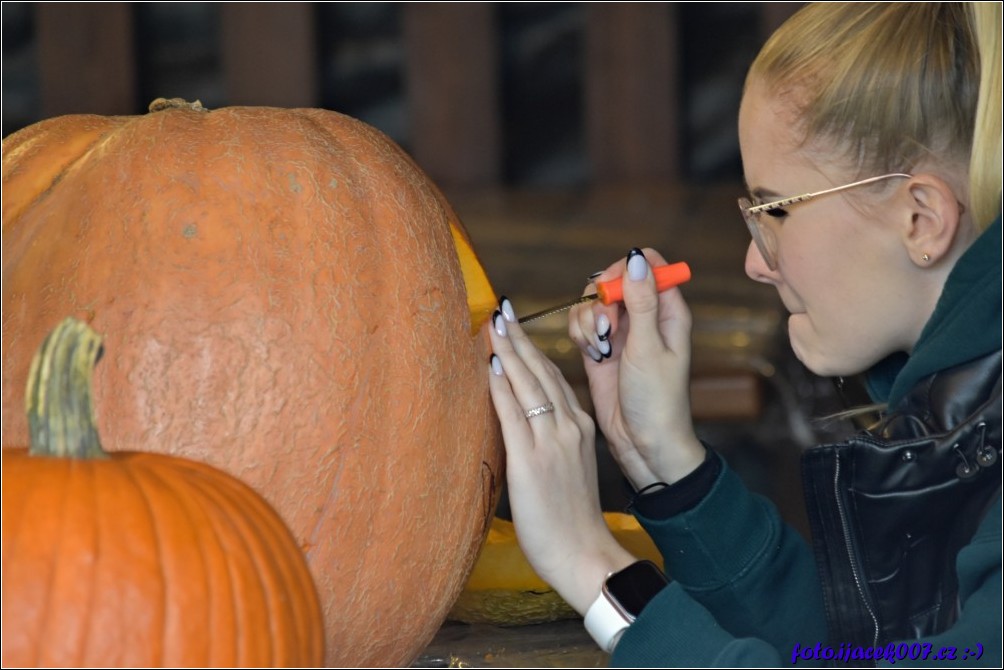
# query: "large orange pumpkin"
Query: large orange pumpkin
291,300
138,559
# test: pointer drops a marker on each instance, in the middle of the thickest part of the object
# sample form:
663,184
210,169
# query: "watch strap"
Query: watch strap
605,622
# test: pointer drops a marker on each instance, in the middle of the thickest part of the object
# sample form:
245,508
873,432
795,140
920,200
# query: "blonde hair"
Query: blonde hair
897,84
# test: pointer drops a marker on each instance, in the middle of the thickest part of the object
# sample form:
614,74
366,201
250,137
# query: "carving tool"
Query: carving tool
609,292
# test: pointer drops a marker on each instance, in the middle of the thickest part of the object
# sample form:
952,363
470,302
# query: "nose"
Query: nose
756,267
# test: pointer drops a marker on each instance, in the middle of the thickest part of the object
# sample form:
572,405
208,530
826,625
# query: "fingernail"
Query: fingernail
496,363
602,327
604,348
594,276
593,354
637,265
499,322
507,310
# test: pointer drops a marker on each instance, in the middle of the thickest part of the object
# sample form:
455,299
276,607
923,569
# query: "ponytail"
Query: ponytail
985,162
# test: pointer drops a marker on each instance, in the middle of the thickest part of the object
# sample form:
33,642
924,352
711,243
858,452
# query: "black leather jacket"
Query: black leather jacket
891,508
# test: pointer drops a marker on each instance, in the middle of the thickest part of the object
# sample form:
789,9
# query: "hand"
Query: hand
637,359
550,468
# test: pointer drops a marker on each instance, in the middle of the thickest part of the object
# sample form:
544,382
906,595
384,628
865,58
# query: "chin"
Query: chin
815,357
827,365
813,363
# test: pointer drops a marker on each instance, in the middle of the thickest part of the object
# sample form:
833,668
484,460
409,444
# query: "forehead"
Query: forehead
776,158
768,126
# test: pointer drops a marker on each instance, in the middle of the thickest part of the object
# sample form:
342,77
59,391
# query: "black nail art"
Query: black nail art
605,335
499,324
634,252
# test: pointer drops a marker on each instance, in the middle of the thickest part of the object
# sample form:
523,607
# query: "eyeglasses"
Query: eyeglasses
763,234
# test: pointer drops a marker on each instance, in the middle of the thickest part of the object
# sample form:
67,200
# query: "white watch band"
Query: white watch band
605,622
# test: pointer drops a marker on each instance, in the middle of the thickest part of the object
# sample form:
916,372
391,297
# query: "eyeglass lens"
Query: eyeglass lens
763,236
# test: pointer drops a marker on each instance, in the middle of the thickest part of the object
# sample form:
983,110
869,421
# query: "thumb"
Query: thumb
641,300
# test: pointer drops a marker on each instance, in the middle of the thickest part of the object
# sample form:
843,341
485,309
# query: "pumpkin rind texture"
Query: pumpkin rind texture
285,296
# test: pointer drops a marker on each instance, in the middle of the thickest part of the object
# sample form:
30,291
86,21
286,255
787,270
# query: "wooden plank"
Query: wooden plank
269,54
451,83
86,62
632,84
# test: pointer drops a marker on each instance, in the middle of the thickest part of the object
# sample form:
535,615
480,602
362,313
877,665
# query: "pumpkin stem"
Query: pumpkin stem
176,103
60,409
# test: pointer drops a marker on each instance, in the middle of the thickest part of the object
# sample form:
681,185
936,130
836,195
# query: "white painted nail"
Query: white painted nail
603,326
499,322
637,266
507,310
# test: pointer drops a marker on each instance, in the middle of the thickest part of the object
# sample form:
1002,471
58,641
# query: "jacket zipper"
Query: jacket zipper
850,551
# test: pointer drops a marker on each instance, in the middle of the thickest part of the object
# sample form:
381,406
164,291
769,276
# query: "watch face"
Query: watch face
633,587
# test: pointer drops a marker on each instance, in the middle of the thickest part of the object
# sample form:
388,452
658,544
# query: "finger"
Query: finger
674,316
582,331
516,434
641,300
506,405
570,400
603,332
525,384
543,395
590,325
675,320
547,373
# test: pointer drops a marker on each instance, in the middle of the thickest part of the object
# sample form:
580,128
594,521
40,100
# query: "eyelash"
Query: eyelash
777,213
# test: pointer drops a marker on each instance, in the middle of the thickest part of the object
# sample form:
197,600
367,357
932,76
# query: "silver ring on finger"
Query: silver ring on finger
537,411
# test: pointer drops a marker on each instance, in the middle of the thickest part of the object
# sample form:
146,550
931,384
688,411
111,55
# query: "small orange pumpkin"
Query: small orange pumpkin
292,301
138,559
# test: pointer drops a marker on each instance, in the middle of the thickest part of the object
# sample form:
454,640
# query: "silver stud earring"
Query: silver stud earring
925,258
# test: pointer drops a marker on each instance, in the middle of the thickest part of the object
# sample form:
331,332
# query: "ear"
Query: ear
934,219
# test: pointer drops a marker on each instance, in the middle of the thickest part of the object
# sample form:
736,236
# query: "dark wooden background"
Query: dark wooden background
482,94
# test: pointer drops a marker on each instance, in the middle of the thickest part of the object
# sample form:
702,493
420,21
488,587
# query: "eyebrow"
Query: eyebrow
764,194
761,193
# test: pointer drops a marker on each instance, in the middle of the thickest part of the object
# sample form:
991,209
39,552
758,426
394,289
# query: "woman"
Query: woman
887,117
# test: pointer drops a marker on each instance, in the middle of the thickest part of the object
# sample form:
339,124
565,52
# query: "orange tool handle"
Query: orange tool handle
666,277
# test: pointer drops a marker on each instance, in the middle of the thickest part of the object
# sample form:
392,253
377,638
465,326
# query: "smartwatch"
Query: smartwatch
622,598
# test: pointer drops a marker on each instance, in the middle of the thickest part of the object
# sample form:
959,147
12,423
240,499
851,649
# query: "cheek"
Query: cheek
819,248
846,326
839,282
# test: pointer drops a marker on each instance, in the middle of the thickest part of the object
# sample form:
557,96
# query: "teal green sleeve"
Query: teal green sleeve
745,592
745,587
677,632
